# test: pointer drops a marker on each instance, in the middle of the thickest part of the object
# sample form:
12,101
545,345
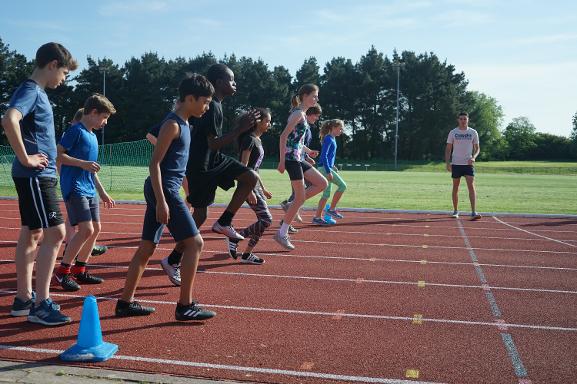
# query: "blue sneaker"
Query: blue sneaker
47,313
320,221
21,307
334,213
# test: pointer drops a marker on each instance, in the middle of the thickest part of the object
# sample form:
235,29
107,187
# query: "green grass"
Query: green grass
415,189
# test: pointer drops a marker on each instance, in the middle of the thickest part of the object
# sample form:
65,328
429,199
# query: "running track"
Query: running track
379,298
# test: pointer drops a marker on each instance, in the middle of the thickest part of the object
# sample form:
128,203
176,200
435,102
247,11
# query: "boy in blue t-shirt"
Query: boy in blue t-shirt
29,127
78,153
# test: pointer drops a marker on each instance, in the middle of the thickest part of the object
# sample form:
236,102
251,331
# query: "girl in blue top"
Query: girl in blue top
291,148
326,163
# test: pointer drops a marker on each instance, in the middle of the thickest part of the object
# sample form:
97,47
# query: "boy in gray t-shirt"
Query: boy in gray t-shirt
460,153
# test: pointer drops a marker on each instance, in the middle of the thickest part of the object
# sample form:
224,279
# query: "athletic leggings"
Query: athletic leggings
263,215
336,180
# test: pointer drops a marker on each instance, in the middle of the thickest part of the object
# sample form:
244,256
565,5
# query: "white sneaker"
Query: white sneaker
455,215
284,241
172,271
226,230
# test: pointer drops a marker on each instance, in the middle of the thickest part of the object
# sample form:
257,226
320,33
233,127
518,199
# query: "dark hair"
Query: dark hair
263,112
195,85
100,103
306,89
216,72
314,110
54,51
463,114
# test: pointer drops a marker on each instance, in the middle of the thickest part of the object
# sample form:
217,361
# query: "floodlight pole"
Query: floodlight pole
397,67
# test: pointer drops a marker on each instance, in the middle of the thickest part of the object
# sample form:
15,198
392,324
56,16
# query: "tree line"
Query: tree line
362,93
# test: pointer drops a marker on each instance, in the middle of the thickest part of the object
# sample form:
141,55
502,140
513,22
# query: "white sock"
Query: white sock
283,231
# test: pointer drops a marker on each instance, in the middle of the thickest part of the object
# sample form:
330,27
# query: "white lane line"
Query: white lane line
348,315
350,280
226,367
534,234
381,234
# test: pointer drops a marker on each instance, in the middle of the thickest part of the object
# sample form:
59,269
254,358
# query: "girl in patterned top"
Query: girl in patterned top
292,149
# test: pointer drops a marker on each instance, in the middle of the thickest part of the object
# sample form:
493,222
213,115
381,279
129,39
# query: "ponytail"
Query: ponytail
327,126
305,89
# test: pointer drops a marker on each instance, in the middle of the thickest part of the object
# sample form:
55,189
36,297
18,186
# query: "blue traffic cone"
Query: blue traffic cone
89,346
328,218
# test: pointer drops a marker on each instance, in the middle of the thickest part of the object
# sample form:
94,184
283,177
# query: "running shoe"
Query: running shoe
251,258
475,216
87,278
284,241
226,230
192,312
66,281
172,271
126,309
334,213
22,307
455,214
47,313
320,221
232,246
98,250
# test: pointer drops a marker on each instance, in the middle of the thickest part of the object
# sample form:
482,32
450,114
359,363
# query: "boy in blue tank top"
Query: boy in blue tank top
77,154
165,207
29,127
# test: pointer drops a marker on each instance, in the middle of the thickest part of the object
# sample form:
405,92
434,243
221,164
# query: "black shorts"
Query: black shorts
38,202
296,169
458,171
202,184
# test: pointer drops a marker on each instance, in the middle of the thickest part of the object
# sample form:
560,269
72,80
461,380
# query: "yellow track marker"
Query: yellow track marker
423,261
412,373
307,366
417,318
359,280
421,283
424,246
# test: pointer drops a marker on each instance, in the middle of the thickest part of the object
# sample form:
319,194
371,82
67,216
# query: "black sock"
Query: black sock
175,257
65,265
226,218
245,255
80,263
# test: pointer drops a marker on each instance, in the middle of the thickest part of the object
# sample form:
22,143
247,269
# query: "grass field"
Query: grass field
425,187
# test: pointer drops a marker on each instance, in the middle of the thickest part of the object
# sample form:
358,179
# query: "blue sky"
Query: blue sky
523,53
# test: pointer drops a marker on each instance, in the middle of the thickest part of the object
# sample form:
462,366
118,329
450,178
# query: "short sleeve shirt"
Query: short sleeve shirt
254,145
79,143
36,127
462,141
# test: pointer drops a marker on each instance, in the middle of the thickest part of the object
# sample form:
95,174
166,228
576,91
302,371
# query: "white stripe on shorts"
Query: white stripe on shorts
42,211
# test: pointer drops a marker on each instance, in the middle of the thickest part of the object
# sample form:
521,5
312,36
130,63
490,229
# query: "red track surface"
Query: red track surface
378,298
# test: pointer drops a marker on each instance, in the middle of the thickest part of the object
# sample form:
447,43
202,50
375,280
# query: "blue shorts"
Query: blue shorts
82,208
458,171
180,223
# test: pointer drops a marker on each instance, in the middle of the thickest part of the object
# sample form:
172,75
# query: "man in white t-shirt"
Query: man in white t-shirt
463,145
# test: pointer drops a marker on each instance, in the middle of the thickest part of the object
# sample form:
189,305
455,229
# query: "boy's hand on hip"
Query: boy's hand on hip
38,160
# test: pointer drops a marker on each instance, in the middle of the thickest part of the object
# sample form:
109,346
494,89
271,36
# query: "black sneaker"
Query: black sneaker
87,278
251,258
98,250
232,247
192,312
66,282
125,309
